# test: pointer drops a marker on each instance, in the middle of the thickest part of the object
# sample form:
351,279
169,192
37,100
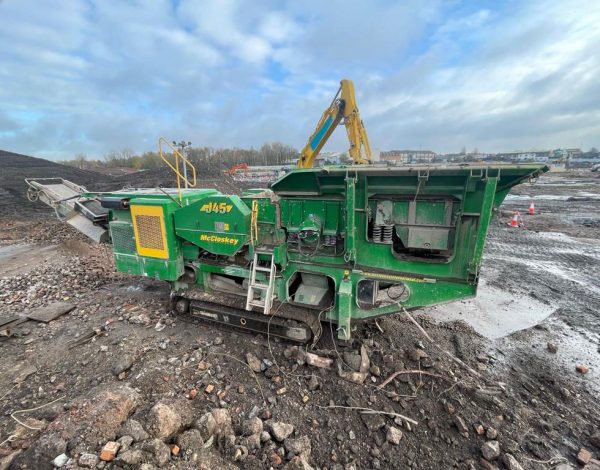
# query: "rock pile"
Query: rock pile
98,430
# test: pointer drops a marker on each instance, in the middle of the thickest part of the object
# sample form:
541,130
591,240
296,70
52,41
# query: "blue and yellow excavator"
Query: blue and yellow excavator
343,107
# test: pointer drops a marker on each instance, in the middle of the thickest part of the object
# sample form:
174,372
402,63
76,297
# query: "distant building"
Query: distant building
330,158
571,153
522,156
475,156
450,157
579,159
408,156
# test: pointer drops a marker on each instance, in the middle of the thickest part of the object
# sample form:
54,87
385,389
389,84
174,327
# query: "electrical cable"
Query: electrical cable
395,299
301,239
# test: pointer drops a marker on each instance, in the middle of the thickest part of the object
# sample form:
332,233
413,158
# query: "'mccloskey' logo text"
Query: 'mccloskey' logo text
218,239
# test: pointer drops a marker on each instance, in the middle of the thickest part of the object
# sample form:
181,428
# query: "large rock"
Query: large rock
394,435
313,383
206,424
123,363
125,442
252,426
96,417
583,456
60,461
41,453
595,439
298,463
133,457
167,417
251,442
353,360
298,446
6,460
215,423
160,451
253,361
210,459
222,417
511,463
460,424
280,431
373,422
190,440
147,466
88,460
490,450
134,428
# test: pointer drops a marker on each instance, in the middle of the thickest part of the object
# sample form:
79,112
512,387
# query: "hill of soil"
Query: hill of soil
14,168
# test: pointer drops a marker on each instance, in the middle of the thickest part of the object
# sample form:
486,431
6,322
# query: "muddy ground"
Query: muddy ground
514,401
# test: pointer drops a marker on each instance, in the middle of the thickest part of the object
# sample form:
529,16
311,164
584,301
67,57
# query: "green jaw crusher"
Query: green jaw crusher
339,244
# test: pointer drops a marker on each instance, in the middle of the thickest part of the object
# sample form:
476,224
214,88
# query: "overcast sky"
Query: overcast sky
93,76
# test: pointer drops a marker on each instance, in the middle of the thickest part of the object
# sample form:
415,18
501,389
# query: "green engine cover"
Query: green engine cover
219,224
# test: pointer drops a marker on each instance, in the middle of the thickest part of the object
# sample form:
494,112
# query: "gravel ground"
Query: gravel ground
176,394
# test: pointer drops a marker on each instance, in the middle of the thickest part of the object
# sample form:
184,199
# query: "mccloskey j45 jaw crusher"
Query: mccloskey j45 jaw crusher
339,244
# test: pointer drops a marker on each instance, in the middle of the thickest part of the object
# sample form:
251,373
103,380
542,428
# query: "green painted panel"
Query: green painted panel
164,270
332,218
400,213
219,224
430,213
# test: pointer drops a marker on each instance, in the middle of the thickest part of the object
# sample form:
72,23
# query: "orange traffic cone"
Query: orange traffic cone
515,220
531,210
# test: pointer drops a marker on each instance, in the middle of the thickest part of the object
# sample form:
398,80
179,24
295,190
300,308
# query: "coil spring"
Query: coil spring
388,231
377,233
329,240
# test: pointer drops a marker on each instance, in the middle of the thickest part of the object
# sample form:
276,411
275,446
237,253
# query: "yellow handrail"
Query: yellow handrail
254,223
186,163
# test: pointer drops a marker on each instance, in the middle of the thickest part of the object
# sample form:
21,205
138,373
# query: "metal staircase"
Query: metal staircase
264,301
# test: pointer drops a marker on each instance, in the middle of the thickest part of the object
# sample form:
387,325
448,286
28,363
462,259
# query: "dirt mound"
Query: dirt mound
164,177
14,168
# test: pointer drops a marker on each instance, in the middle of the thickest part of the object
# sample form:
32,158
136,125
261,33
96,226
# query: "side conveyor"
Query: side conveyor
66,198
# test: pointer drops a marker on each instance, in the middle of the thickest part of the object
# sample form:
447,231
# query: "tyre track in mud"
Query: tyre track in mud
551,267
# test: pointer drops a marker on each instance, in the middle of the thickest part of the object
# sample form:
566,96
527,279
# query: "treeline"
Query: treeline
274,153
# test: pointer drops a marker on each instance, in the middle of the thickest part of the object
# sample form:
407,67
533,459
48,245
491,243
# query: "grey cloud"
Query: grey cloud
99,76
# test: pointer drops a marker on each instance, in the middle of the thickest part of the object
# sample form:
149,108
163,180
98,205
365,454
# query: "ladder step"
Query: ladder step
260,268
256,285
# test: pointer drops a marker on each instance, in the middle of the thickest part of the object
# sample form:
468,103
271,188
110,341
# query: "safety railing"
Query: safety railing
254,223
182,167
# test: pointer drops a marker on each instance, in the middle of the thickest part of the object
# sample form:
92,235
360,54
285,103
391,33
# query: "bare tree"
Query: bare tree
80,161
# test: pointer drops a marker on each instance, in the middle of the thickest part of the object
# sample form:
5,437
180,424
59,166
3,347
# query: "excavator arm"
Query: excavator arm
343,107
237,167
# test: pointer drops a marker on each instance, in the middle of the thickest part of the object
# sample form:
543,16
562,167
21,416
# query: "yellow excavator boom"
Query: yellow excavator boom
343,107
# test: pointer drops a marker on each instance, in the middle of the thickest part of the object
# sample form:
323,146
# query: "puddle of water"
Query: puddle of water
551,197
564,183
494,313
